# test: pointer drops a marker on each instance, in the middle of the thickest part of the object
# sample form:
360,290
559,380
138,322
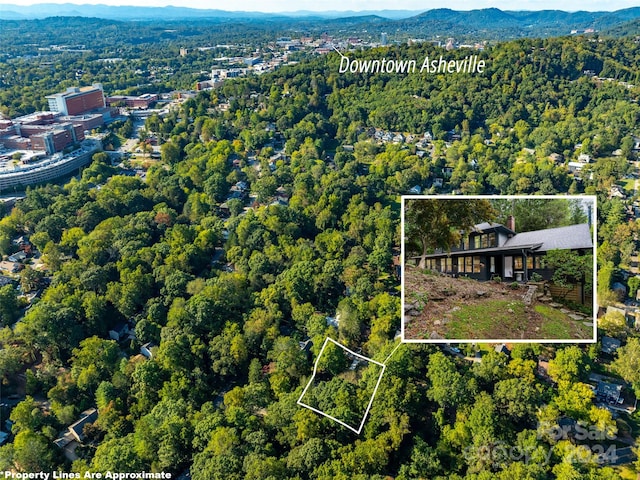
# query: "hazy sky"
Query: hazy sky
341,5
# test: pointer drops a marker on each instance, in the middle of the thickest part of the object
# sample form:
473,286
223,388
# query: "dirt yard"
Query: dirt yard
438,306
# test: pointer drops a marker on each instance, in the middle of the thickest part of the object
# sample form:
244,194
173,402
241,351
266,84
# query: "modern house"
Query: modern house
494,250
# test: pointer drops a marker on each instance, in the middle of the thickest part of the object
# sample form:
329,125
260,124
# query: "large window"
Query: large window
517,262
530,262
537,261
469,264
476,264
460,264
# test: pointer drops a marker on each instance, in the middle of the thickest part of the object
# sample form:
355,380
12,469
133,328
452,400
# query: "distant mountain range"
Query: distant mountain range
44,10
488,23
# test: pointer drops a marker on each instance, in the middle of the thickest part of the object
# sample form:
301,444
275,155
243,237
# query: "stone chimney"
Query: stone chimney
511,223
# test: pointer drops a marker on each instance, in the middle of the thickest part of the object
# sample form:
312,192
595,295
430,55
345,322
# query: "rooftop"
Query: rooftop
572,237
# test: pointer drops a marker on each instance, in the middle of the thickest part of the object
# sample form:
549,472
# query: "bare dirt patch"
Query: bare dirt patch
438,306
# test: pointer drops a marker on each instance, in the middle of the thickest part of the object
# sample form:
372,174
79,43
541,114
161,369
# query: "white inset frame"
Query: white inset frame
593,199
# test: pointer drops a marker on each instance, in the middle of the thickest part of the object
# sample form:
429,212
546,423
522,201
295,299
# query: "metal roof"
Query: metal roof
572,237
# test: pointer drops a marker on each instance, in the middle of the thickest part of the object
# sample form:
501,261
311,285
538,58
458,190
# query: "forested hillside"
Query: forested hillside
274,207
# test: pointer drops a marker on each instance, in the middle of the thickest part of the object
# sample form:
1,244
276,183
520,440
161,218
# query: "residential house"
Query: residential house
76,429
23,243
609,392
146,349
492,249
556,158
610,345
11,267
617,192
575,167
333,321
121,331
17,257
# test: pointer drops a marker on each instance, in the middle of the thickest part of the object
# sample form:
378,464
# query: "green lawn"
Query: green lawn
492,319
557,325
509,319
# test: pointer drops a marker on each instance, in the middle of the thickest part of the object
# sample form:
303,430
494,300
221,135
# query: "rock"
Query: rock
576,316
437,323
510,310
454,309
435,336
412,313
588,324
411,306
555,305
564,310
528,297
480,293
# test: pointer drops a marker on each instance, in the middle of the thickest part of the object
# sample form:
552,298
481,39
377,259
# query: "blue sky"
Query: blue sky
342,5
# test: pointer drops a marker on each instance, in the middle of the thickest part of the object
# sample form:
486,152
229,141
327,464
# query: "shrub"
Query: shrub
536,277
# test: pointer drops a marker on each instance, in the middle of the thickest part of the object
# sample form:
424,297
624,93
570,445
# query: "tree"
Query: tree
95,360
634,284
570,268
32,452
170,152
538,214
614,324
117,455
26,415
516,398
30,279
9,308
627,363
568,365
439,224
447,386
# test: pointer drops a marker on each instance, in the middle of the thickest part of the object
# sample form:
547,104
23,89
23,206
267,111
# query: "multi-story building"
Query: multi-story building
77,100
142,101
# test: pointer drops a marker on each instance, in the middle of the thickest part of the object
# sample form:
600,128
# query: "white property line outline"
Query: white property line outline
373,395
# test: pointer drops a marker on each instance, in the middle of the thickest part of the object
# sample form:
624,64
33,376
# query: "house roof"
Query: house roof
610,345
572,237
482,227
88,416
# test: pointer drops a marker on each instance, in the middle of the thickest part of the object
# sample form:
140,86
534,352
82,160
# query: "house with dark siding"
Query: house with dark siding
493,250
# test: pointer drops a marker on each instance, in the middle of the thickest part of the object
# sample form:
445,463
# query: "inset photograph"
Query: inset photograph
498,268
